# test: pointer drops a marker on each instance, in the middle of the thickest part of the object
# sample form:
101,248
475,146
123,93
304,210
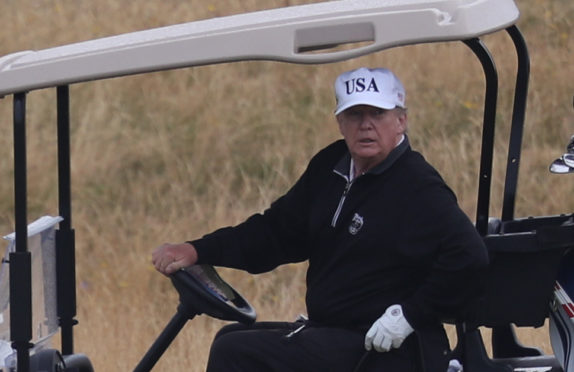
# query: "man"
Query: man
390,252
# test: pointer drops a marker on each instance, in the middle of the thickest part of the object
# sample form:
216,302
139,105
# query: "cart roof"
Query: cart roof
283,34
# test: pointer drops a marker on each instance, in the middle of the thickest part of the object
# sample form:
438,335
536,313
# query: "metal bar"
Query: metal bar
65,237
487,150
64,178
162,342
66,285
20,260
21,307
518,116
20,173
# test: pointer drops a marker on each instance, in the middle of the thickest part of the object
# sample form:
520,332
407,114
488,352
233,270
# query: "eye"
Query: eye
379,112
353,113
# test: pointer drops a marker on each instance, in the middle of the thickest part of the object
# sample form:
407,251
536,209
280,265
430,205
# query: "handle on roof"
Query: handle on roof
327,37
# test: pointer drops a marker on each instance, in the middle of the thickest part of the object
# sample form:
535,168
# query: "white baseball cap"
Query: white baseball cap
377,87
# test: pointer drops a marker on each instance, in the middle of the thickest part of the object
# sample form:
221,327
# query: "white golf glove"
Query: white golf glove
390,330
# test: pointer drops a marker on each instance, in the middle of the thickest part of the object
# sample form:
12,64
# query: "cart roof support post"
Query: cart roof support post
518,118
65,236
20,260
489,116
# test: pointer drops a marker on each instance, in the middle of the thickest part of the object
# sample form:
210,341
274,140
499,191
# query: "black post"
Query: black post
487,151
20,259
65,238
163,341
518,117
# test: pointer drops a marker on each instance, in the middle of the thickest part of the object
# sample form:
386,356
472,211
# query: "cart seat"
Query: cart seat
525,257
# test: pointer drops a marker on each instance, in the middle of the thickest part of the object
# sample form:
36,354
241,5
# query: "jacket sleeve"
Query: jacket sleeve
265,240
456,263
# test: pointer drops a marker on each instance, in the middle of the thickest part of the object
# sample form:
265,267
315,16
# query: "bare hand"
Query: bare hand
168,258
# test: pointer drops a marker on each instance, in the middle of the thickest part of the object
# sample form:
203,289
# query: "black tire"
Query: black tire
78,363
47,360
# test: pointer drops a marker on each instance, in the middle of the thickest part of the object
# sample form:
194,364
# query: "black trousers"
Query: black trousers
265,346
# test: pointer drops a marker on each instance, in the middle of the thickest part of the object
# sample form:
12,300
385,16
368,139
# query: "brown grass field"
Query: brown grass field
169,156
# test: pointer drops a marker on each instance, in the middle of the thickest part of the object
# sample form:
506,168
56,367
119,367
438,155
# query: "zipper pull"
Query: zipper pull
297,330
341,202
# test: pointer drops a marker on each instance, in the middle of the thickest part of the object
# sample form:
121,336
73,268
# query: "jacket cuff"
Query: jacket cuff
204,254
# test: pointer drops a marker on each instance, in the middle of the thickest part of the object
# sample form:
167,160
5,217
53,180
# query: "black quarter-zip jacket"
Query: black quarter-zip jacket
394,235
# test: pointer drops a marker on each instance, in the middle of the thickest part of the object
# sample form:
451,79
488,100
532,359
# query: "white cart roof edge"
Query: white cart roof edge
282,34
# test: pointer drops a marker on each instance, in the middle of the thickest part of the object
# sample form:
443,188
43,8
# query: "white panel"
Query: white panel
278,34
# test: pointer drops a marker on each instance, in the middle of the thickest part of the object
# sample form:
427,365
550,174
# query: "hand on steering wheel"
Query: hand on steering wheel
168,258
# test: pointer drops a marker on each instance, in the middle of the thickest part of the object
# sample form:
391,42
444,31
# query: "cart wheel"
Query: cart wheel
78,363
47,360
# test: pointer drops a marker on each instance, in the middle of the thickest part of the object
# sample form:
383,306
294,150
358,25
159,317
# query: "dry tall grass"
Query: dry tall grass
172,155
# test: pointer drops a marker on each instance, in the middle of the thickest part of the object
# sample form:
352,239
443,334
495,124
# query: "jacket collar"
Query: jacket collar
344,165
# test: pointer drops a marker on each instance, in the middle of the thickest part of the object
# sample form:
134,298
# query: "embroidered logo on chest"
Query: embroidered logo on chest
356,224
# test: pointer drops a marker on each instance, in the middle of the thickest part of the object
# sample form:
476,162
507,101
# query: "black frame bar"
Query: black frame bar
487,150
163,341
65,235
20,260
518,117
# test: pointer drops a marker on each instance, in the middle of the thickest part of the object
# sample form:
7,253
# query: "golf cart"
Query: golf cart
307,34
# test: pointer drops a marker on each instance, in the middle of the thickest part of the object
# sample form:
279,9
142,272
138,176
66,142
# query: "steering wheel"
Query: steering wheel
202,291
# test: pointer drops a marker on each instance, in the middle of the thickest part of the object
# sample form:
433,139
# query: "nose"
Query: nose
366,121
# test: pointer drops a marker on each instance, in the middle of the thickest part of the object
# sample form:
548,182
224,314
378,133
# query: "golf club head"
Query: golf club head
558,166
564,164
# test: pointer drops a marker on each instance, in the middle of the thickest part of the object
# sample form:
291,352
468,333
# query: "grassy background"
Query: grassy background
172,155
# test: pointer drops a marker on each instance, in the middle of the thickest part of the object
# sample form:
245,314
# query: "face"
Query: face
371,133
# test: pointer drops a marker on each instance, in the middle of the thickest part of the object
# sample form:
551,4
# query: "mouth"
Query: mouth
366,141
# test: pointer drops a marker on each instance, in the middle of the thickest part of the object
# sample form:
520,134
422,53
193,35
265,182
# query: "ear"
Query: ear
402,121
340,124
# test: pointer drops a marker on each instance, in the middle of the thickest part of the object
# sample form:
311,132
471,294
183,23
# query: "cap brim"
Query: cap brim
378,104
